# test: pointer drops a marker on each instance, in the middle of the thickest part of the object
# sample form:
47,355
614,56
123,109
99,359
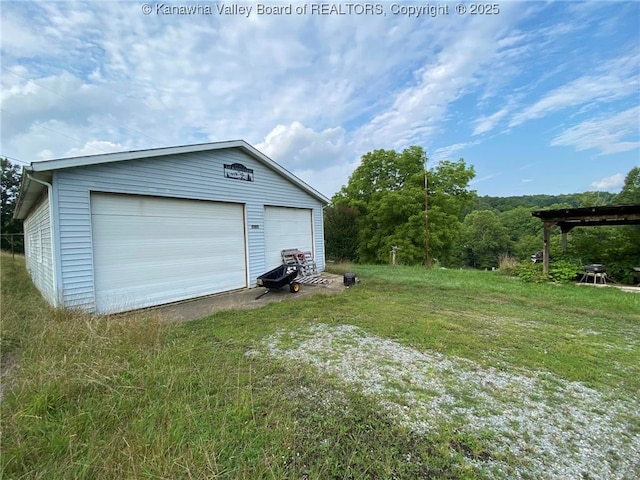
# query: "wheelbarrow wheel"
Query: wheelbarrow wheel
294,287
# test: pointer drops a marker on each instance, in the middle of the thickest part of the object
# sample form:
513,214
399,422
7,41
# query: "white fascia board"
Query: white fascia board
131,155
30,192
49,165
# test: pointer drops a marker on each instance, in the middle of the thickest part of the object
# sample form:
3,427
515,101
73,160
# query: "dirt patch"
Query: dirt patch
245,299
552,428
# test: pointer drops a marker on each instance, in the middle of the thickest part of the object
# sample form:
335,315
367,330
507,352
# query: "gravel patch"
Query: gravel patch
556,429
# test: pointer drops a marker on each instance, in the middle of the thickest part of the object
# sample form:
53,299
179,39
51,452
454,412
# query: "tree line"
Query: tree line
9,188
383,207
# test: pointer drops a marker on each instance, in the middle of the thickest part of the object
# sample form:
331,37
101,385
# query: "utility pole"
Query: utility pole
426,215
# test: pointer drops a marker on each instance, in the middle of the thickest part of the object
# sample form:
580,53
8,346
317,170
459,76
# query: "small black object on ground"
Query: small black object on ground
279,277
349,279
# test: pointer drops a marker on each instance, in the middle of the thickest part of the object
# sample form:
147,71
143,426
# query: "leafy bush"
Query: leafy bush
563,271
622,272
531,272
341,233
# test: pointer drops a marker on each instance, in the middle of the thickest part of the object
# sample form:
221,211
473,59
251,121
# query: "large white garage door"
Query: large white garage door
286,228
149,251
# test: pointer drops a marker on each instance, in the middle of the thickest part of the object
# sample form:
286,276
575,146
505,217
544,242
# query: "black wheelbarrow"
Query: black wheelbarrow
279,277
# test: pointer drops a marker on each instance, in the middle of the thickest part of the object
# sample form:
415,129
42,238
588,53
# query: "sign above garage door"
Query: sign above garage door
238,171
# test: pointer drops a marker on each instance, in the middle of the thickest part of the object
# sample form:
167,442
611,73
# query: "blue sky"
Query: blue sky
540,97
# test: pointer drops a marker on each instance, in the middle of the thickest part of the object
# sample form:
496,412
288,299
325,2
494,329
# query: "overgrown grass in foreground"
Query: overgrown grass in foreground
130,397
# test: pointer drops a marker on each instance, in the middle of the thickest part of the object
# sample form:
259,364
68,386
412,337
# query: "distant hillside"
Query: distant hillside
503,204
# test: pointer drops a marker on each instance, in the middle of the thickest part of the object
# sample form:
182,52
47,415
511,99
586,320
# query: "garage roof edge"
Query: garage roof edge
30,192
26,197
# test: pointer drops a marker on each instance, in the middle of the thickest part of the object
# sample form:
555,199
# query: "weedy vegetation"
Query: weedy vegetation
410,374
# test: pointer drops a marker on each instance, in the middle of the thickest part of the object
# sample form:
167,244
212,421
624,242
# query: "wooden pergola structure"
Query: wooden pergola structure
569,218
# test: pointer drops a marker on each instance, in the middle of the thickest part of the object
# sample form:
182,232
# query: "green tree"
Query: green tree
383,171
449,196
483,239
397,219
519,222
593,199
525,231
540,202
341,233
387,191
630,194
9,188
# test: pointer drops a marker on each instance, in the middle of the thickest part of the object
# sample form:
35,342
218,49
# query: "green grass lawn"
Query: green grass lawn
412,373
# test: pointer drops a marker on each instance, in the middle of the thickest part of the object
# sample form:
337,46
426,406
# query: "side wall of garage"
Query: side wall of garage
196,176
38,252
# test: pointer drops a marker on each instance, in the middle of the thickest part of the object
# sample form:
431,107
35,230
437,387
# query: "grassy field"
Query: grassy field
409,374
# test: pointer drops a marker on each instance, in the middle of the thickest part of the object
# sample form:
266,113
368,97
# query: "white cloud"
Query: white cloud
609,183
482,179
328,180
486,124
448,152
96,147
313,92
419,109
614,134
304,148
45,155
159,80
22,35
614,80
154,81
42,140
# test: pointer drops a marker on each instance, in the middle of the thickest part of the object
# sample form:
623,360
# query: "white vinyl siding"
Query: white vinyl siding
150,250
38,254
286,228
188,176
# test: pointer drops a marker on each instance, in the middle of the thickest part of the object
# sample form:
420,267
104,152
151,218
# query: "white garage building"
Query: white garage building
120,231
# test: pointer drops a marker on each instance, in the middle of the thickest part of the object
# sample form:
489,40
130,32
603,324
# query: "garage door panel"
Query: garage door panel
149,251
139,296
200,275
286,228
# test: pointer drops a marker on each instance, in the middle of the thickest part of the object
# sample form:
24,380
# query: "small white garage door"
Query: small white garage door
286,228
149,251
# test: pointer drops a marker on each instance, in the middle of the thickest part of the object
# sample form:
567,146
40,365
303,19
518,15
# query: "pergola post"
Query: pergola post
545,247
565,229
